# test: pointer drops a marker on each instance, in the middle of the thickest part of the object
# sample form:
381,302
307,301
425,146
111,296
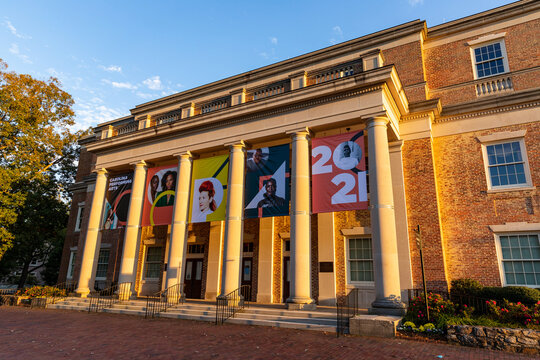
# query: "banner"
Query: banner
209,189
267,182
159,195
339,173
117,201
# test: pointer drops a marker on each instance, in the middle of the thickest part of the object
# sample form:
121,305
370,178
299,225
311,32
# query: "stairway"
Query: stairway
323,319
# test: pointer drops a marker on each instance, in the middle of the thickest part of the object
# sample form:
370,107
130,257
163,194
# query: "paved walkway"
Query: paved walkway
58,334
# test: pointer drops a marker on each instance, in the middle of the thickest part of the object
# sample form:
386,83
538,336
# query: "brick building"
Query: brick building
450,115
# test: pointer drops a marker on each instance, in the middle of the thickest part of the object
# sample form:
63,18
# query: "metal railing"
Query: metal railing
106,298
164,299
230,304
7,297
346,308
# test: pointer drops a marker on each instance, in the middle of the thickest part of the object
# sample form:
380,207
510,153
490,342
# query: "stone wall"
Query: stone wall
511,340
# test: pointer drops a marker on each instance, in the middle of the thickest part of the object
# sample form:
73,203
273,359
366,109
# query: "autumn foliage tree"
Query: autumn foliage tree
35,120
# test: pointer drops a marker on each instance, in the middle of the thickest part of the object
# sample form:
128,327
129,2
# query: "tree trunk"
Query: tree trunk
24,274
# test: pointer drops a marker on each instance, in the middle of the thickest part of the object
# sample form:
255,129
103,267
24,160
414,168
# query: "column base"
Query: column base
392,306
300,303
82,292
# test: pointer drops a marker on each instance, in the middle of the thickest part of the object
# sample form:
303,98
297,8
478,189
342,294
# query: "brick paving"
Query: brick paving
59,334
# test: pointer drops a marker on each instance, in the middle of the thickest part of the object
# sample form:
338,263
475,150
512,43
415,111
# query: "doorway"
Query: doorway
286,278
193,278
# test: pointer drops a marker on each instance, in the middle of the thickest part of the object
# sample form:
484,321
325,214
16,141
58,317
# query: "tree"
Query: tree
35,117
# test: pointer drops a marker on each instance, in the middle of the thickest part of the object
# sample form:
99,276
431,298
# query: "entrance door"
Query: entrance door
246,276
193,278
286,278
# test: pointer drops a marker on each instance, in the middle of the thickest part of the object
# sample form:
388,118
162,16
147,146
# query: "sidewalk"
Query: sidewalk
57,334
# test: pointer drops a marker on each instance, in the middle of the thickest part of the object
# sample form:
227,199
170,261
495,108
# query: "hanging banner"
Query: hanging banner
209,189
267,182
339,173
117,201
159,195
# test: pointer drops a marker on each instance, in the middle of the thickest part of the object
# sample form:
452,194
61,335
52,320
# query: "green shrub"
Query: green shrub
508,312
429,326
409,324
36,291
436,305
465,287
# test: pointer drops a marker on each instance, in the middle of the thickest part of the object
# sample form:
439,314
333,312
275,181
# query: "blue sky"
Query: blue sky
113,55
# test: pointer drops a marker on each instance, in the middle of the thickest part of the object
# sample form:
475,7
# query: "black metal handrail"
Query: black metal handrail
108,297
346,308
164,299
7,297
230,304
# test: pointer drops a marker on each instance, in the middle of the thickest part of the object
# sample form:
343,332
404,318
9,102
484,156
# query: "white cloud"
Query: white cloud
416,2
264,55
337,35
273,40
111,68
337,30
153,83
120,85
13,30
145,95
14,49
87,114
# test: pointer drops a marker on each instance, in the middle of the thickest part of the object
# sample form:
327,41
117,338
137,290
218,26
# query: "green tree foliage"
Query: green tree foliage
35,117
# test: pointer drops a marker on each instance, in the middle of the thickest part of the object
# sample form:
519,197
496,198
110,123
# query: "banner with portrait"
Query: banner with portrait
117,201
267,182
159,194
209,189
339,173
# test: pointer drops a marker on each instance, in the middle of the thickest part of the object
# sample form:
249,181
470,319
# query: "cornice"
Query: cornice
487,112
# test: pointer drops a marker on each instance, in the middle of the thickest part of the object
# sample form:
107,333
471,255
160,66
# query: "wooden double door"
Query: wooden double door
193,278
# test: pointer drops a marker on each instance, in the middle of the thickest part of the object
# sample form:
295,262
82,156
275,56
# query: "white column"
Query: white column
300,223
383,223
91,240
130,254
178,242
233,223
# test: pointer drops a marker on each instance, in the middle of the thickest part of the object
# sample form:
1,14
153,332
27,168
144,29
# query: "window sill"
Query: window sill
361,285
522,188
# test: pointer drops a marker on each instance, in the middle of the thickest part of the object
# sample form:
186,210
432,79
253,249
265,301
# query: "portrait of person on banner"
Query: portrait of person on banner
159,195
209,193
347,155
267,185
256,159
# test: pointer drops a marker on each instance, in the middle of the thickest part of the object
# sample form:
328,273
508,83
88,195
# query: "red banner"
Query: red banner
339,173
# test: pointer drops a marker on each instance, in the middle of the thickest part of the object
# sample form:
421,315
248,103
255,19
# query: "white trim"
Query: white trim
500,136
486,43
486,38
515,227
72,255
78,220
528,180
348,282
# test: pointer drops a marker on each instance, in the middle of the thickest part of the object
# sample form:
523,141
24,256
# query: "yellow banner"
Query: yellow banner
209,189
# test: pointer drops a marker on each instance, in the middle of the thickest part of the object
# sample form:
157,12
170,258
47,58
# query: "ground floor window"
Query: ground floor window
153,262
71,266
103,264
360,260
520,257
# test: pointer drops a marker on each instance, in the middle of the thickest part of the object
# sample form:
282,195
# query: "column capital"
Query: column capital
184,155
140,163
300,133
100,171
236,145
377,121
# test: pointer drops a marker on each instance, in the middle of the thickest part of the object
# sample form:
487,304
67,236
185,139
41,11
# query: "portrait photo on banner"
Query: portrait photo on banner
117,201
159,194
339,173
209,189
267,191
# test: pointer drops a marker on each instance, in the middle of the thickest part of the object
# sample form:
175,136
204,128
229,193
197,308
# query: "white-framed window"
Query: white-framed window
519,258
360,261
102,264
153,262
489,58
71,265
506,164
78,221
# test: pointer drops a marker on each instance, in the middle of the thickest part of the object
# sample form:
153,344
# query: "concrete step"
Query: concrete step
187,316
62,306
283,324
303,320
125,311
291,313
